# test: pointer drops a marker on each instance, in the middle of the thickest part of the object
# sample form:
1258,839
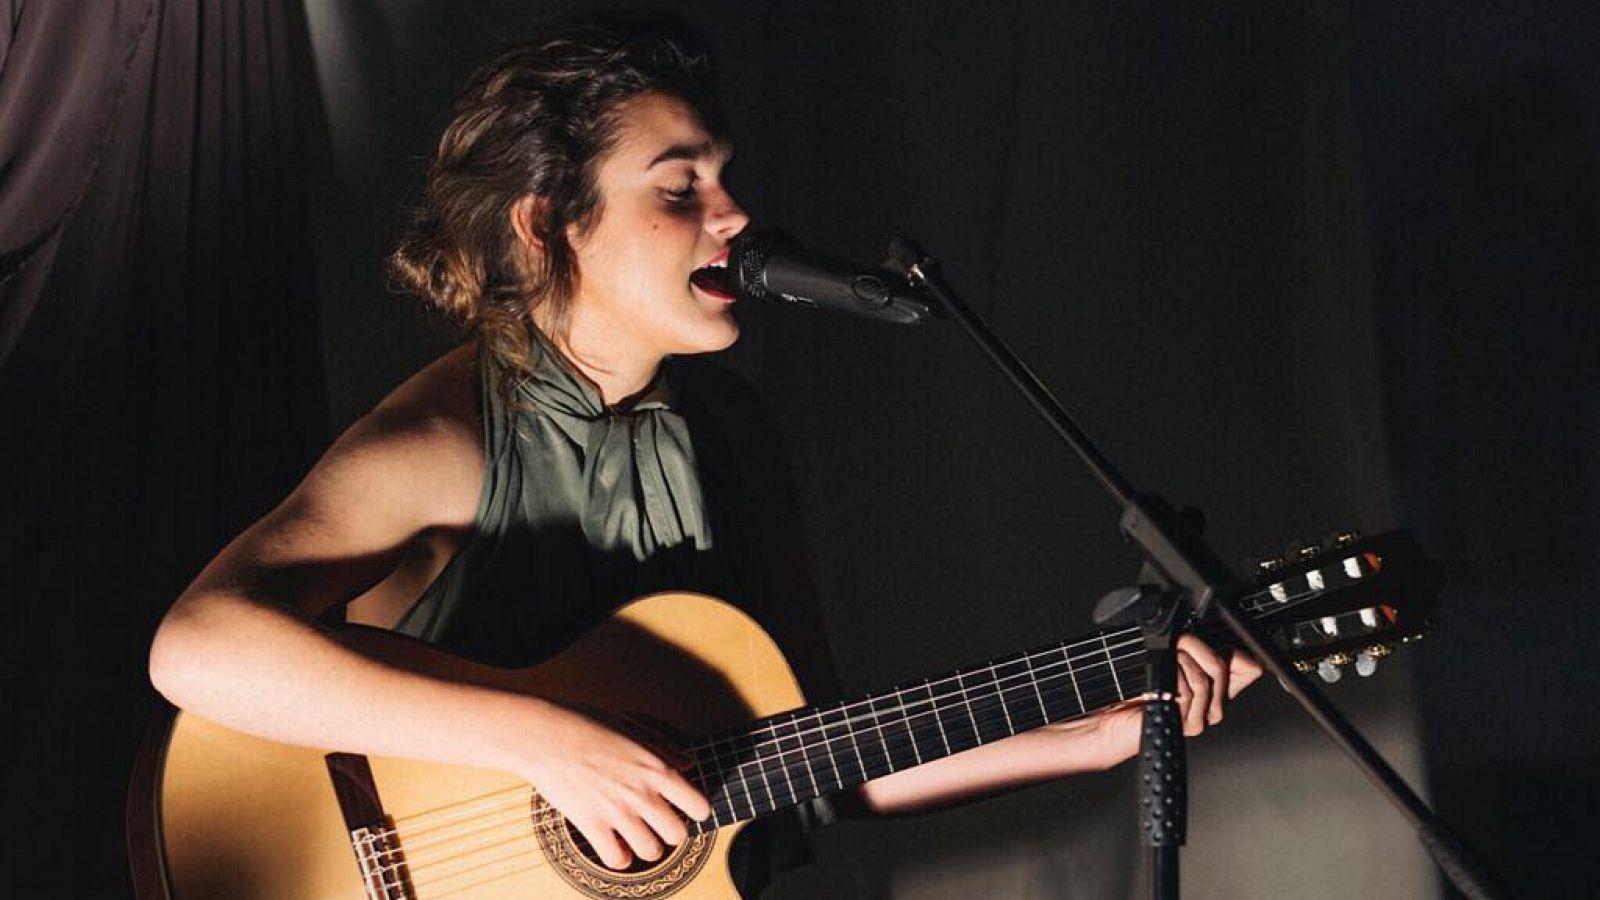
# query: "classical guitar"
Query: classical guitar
218,814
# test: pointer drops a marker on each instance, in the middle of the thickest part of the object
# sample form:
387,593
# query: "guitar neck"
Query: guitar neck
785,760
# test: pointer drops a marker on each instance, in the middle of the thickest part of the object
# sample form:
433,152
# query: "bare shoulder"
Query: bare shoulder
405,475
420,450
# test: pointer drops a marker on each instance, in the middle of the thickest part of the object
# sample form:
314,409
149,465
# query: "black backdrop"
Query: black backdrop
1307,266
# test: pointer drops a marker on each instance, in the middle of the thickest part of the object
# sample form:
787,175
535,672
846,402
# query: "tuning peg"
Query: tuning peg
1269,565
1309,552
1329,671
1346,538
1365,664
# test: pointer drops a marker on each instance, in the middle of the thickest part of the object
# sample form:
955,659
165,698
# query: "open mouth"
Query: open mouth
715,279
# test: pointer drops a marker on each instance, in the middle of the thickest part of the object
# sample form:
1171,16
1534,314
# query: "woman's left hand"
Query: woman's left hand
1206,680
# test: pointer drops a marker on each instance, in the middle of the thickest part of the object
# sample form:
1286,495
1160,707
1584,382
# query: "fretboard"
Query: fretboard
784,760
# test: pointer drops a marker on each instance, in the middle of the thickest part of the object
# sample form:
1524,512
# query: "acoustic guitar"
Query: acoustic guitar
217,814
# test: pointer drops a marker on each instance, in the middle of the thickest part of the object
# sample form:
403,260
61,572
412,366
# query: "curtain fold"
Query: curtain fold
160,370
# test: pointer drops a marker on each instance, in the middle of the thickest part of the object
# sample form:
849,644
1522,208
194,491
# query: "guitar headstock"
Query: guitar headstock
1346,601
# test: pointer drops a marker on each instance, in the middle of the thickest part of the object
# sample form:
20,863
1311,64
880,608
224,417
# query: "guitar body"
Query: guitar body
238,817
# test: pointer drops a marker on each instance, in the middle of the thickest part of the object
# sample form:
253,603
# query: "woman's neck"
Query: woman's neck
619,376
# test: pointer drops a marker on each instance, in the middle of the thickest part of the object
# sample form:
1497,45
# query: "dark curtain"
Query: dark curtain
160,374
1481,134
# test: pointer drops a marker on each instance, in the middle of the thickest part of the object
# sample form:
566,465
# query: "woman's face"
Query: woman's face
664,213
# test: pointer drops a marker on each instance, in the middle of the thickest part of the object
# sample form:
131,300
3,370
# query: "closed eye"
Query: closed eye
680,195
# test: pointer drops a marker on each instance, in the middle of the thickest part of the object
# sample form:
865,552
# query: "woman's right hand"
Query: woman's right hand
626,798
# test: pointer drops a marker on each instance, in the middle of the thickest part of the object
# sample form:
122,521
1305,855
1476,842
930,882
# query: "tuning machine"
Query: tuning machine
1331,667
1299,552
1269,565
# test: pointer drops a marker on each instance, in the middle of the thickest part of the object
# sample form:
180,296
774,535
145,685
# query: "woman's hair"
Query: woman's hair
537,119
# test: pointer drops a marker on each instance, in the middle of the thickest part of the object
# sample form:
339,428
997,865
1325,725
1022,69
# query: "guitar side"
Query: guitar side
241,817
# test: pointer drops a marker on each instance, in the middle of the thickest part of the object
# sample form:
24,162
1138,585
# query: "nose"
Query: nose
726,219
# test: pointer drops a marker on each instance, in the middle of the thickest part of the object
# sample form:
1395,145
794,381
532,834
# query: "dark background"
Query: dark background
1307,266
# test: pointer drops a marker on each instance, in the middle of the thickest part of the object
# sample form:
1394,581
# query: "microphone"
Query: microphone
771,265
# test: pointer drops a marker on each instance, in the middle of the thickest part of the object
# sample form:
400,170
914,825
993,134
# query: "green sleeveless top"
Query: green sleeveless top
583,509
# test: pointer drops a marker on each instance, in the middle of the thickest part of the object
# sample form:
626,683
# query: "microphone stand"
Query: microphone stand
1181,572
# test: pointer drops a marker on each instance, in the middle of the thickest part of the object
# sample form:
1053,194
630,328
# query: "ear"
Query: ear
524,212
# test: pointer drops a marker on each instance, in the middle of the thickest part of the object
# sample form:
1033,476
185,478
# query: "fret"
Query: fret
705,788
983,697
908,715
967,705
1132,673
1033,682
1057,687
956,722
1111,664
894,734
997,700
833,733
842,735
1000,694
927,733
739,759
789,756
711,768
1072,676
781,779
721,811
876,765
761,743
1017,690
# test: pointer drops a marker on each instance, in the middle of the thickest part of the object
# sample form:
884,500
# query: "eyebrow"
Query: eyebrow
690,152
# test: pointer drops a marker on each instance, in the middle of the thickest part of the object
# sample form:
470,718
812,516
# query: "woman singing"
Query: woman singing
566,458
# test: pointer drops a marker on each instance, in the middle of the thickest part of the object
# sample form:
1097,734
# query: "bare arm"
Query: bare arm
241,646
1088,745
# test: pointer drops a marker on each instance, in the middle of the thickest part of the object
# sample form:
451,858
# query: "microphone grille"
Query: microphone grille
747,258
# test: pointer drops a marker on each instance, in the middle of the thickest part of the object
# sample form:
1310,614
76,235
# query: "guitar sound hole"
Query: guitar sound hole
636,867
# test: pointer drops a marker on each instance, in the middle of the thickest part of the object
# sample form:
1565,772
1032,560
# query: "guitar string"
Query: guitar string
426,821
414,866
896,745
451,810
994,690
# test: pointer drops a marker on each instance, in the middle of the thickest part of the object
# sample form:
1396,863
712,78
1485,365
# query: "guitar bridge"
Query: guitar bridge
373,837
